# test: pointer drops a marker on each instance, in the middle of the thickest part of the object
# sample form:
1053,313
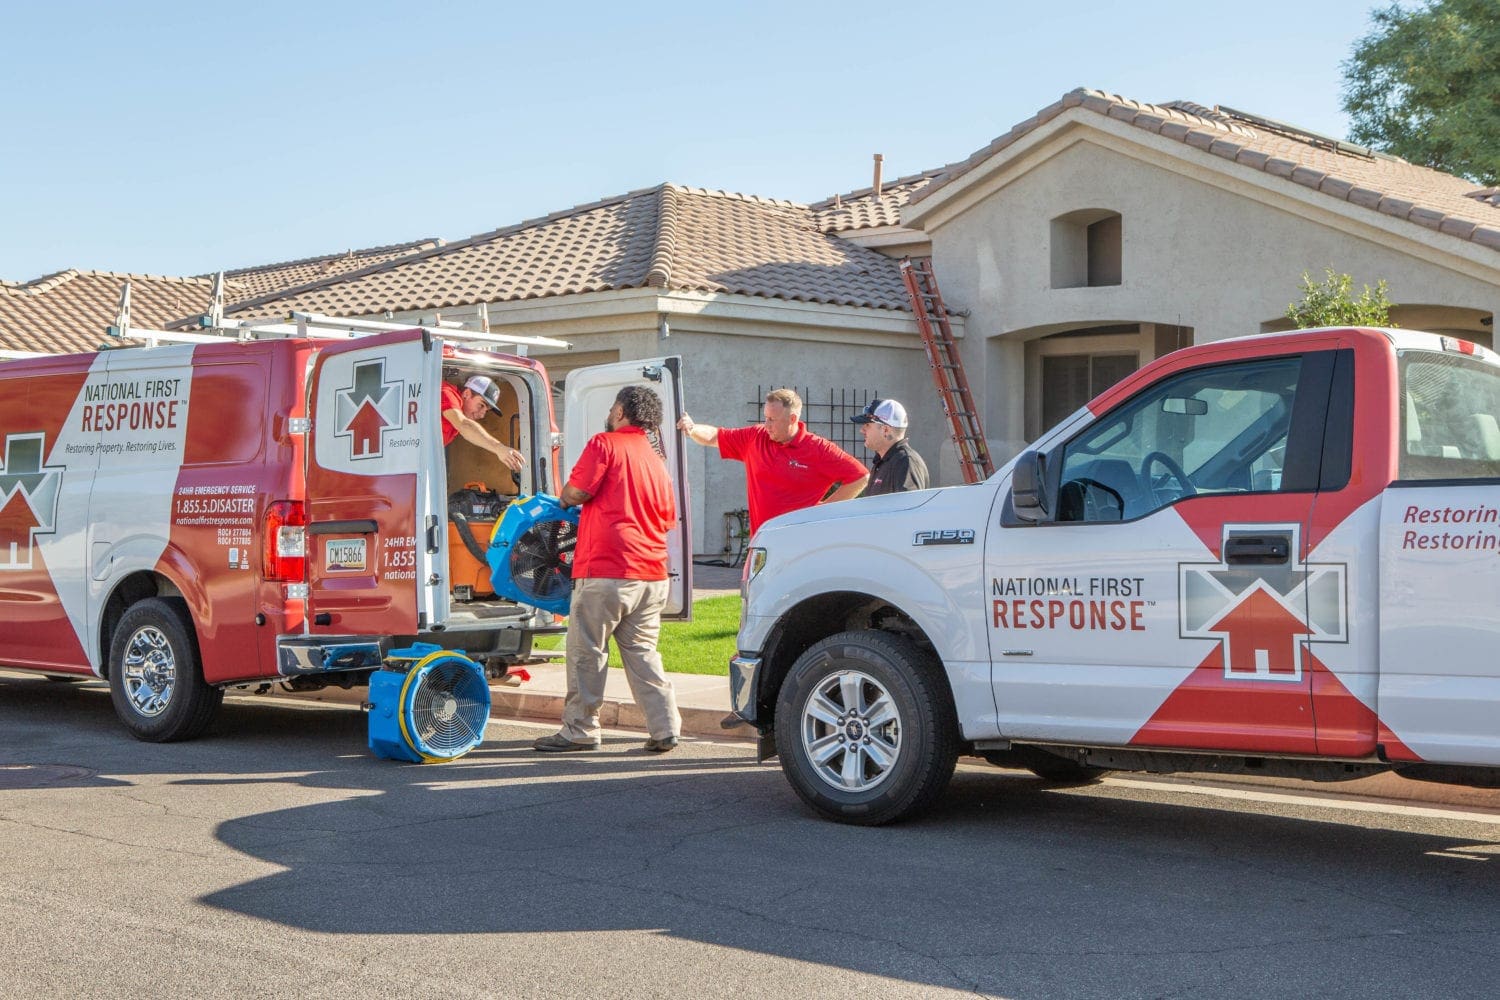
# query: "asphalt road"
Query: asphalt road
277,858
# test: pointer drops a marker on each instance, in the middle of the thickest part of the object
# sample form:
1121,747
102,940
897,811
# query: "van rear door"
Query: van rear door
374,482
588,395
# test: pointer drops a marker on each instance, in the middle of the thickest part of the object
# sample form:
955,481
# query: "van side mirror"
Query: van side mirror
1028,490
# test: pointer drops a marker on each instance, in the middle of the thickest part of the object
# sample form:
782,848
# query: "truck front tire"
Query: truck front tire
155,676
865,728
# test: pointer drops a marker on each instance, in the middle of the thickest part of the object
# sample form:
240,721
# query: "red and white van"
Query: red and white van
181,519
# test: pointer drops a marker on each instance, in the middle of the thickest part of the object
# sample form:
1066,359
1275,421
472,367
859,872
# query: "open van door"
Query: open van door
374,488
588,394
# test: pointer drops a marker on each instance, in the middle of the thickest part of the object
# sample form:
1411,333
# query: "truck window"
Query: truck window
1212,430
1450,405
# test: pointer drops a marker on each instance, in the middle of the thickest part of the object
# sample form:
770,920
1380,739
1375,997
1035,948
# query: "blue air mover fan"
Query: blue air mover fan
428,705
531,553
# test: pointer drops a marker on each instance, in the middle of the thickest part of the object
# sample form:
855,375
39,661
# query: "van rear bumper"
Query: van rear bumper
299,655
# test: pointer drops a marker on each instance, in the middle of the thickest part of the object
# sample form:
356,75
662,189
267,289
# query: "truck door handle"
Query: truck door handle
1246,550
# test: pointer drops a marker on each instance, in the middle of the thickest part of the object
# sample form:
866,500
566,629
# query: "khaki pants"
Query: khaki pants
629,610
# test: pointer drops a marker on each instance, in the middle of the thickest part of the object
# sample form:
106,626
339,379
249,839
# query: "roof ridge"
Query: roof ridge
660,271
47,282
884,186
755,199
237,271
50,281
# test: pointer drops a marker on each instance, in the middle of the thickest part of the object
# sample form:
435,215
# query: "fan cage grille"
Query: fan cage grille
449,706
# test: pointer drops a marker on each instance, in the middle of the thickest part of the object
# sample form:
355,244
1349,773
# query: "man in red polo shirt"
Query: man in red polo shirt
787,466
628,505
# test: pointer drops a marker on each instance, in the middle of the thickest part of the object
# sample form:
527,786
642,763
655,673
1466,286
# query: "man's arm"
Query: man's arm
572,496
849,491
705,434
473,432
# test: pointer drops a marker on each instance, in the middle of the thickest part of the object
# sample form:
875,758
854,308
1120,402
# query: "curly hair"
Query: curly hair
642,407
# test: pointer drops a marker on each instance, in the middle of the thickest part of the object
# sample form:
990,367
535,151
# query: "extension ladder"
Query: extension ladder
947,369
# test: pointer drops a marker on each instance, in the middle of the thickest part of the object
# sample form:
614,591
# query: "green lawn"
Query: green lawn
701,646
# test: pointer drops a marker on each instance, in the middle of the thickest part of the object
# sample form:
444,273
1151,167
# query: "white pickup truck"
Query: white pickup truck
1275,555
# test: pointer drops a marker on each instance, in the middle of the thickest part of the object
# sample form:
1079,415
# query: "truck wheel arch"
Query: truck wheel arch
817,618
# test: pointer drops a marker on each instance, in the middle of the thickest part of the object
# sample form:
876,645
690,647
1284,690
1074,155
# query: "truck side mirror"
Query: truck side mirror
1028,490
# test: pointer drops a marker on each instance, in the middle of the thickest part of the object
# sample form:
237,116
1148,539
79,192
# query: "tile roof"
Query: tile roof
249,282
862,209
67,312
1340,170
670,237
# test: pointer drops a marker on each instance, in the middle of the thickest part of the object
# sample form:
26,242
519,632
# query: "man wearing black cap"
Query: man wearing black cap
461,413
897,468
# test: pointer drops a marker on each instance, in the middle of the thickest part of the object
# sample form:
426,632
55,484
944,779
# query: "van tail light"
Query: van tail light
286,542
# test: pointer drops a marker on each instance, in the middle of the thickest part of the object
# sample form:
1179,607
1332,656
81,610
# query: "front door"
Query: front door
1165,601
375,488
589,393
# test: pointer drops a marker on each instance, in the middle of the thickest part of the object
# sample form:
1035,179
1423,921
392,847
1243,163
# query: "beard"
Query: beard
609,424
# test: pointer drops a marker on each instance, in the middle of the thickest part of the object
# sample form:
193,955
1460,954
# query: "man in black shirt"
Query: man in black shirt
897,467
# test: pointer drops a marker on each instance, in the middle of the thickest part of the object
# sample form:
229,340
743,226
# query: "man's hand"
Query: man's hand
512,459
848,491
701,433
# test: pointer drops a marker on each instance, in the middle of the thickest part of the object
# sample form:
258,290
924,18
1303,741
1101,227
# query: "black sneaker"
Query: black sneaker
558,743
660,746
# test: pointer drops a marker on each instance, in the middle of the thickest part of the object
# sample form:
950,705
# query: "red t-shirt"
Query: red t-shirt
788,476
452,400
622,529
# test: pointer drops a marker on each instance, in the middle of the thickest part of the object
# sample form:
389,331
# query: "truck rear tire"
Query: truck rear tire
155,675
866,729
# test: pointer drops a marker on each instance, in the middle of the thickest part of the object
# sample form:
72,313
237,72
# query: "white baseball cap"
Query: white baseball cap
883,411
485,388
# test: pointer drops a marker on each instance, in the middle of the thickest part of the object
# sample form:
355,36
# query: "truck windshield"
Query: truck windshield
1450,416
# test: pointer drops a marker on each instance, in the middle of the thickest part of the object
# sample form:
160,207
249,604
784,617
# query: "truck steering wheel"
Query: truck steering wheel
1157,486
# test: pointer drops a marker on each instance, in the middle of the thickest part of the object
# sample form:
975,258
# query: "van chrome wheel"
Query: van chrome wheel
851,731
150,671
156,672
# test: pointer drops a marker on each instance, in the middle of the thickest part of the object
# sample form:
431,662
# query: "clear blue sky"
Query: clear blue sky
178,138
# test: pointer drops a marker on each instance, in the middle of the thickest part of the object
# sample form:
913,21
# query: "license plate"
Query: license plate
344,555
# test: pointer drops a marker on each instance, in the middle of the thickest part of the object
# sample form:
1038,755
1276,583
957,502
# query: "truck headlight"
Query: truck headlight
755,561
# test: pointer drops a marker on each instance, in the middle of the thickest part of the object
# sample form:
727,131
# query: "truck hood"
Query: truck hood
888,504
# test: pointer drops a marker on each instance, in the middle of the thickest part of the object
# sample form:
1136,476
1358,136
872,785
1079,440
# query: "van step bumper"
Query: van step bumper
298,655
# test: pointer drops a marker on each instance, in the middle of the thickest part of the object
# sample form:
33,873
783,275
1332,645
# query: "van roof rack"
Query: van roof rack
315,326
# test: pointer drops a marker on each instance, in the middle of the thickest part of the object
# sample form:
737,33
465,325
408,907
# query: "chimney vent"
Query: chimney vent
876,185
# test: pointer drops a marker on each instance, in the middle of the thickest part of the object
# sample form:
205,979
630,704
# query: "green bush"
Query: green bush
1332,303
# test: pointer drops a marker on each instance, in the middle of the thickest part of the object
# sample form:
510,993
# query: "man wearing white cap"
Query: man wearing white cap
461,413
897,468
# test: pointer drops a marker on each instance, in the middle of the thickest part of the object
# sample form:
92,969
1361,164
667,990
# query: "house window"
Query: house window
1086,249
1071,380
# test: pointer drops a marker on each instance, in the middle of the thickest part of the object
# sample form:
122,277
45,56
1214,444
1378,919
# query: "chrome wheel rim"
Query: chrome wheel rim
851,731
150,671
